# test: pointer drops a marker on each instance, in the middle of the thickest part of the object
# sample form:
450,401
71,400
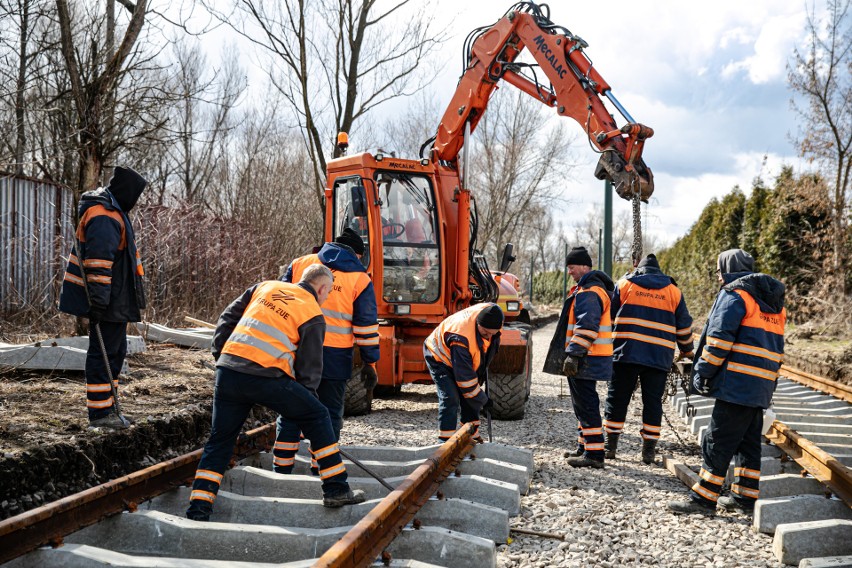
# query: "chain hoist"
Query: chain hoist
636,202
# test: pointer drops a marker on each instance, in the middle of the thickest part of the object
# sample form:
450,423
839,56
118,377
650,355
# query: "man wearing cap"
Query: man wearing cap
651,318
581,350
457,355
351,319
103,282
737,361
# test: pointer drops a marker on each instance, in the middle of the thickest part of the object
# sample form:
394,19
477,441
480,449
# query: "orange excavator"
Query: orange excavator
418,216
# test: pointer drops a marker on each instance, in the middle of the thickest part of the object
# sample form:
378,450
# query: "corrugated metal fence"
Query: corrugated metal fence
36,225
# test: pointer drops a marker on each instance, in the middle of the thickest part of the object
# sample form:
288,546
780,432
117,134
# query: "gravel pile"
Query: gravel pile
611,517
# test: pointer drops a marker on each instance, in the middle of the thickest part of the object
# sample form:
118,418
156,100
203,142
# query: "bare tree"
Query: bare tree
21,38
202,119
108,118
517,164
336,60
822,74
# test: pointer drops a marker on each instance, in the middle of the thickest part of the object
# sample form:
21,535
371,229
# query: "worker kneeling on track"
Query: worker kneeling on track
268,350
457,355
581,349
650,319
737,361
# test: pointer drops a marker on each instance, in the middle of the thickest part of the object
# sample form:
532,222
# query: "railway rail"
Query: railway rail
806,480
407,524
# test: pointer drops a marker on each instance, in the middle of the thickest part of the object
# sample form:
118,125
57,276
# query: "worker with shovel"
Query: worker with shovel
103,281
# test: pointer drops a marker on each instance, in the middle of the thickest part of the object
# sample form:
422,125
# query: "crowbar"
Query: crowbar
372,474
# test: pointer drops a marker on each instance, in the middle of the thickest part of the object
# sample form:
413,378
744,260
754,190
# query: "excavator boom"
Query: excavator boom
576,90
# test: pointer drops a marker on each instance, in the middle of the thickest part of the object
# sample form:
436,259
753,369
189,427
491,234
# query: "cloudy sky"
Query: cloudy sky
709,79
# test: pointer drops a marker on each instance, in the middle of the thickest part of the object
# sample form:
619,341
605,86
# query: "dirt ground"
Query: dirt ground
47,452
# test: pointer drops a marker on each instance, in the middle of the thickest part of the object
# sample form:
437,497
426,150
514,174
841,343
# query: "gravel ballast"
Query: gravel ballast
611,517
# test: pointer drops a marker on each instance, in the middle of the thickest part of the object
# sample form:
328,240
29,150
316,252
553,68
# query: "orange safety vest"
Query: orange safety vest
268,331
600,346
461,323
339,307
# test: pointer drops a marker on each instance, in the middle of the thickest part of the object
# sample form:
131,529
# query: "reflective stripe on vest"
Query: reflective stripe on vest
268,331
759,346
648,315
461,323
340,305
600,345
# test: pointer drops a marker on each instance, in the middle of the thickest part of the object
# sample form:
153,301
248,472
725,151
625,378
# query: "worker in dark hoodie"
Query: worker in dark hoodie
581,350
103,282
737,363
351,320
650,320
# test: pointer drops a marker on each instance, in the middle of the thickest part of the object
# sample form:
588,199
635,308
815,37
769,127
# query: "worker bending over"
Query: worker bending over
650,319
457,355
350,320
268,350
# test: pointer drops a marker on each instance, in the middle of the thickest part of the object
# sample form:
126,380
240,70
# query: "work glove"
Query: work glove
570,366
369,376
489,404
96,313
683,355
701,385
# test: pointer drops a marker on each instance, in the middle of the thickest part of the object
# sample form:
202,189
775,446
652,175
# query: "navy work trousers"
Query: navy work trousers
734,432
624,379
233,398
586,402
331,393
450,403
99,399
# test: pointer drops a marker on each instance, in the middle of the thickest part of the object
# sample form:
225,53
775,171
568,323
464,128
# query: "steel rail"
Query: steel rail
816,461
827,386
367,540
50,523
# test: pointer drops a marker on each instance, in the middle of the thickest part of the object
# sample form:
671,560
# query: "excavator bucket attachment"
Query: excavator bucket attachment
510,374
612,167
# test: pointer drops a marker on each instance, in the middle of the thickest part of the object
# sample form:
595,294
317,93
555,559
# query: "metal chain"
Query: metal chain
672,380
637,228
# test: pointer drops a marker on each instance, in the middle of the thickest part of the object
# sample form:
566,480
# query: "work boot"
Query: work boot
693,506
648,451
579,451
346,498
730,503
111,422
585,461
611,445
199,510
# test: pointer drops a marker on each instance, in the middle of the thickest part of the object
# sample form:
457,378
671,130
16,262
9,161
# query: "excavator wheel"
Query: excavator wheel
357,401
510,376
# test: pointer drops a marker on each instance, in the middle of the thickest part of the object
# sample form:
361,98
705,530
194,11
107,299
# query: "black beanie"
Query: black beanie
351,239
491,317
578,256
650,260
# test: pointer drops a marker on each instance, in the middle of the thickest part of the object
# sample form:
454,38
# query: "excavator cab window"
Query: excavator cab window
350,211
411,253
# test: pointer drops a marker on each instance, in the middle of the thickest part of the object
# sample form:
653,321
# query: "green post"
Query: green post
565,273
607,240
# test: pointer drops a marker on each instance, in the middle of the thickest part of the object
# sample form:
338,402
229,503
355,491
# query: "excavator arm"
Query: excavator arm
576,90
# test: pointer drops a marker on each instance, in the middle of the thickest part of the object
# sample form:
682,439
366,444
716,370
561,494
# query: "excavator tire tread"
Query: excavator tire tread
511,392
357,401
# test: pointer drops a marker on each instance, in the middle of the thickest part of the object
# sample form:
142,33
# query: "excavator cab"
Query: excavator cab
410,226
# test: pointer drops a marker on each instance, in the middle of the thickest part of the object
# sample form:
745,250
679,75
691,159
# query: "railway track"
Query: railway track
806,480
449,506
